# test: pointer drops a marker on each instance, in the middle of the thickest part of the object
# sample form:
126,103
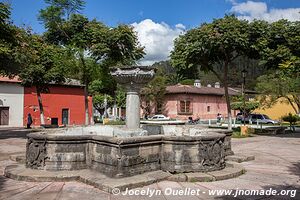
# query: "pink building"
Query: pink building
196,101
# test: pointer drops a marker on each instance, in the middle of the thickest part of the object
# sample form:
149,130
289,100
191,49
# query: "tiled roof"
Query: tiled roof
189,89
68,81
11,80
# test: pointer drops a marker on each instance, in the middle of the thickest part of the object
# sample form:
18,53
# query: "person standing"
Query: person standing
219,118
29,120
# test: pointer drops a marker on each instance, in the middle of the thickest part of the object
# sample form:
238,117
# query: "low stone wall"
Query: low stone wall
121,157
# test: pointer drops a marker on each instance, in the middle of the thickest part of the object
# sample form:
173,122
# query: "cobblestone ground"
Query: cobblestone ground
276,166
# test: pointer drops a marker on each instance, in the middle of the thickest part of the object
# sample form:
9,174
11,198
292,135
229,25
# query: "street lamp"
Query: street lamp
244,73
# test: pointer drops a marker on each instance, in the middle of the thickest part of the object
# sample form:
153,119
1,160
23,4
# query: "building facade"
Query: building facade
196,101
63,104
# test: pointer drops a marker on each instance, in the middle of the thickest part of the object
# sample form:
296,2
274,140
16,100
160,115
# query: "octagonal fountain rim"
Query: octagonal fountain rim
203,136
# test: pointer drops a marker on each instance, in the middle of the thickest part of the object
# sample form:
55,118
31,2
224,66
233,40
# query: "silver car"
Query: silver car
261,118
159,118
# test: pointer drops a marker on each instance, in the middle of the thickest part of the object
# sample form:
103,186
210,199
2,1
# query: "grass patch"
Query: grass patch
116,122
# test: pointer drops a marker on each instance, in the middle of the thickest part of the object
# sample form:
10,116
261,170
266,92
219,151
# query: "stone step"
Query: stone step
96,179
107,184
230,171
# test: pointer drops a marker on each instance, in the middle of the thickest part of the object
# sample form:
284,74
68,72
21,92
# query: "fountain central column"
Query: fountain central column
133,79
132,110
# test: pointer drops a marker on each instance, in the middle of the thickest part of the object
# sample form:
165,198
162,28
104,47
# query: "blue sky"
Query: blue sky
158,22
113,12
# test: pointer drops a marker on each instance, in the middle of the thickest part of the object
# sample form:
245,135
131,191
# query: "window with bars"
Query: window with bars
185,107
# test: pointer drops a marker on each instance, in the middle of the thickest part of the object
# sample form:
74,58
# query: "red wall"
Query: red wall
59,97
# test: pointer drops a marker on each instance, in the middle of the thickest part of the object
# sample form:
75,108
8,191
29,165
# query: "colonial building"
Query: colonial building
196,101
63,105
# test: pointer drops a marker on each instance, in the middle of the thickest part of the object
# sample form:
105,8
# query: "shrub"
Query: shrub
292,119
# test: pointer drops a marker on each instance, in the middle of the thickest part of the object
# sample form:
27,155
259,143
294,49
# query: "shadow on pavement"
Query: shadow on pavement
14,133
274,192
288,134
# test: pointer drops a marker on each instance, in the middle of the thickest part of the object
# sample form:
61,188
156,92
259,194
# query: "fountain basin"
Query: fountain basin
125,156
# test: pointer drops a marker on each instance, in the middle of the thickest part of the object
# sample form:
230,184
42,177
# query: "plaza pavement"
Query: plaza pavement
276,166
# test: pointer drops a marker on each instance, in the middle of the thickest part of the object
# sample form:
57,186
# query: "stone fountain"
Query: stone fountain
125,151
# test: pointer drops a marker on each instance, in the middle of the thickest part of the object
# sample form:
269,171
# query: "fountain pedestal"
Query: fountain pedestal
132,110
132,79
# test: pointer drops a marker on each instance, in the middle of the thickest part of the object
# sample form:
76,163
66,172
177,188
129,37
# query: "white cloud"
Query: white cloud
157,39
251,10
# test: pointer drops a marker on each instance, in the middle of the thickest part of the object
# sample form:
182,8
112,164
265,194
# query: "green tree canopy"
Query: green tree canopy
89,39
213,47
154,92
238,103
279,85
13,44
44,65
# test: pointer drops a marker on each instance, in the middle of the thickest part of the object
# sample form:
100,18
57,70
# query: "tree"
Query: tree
102,101
43,66
70,31
238,103
280,85
89,39
280,52
154,92
279,45
213,47
13,45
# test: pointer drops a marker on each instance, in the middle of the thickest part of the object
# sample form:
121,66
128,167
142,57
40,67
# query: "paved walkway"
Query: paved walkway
277,166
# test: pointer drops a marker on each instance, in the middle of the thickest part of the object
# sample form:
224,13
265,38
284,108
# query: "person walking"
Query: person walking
219,118
29,120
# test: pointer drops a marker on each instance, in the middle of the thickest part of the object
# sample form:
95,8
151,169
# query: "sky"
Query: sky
158,22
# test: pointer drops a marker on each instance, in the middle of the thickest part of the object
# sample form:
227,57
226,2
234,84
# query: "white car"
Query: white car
159,117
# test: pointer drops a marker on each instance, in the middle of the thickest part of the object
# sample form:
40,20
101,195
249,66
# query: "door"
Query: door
65,116
4,115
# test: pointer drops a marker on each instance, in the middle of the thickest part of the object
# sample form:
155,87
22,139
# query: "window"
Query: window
185,107
208,108
259,117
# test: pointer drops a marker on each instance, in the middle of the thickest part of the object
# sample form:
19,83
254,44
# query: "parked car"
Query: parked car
240,117
159,117
261,118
